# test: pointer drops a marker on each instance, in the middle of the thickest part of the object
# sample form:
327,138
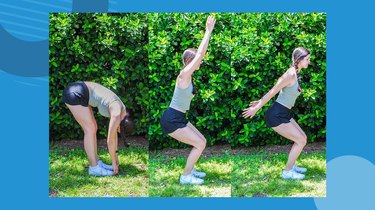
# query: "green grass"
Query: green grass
260,176
255,175
165,174
68,170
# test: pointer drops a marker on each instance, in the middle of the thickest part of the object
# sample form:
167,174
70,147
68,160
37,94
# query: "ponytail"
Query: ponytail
297,55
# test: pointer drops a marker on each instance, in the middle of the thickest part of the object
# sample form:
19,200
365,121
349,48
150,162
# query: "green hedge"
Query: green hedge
139,56
247,54
103,48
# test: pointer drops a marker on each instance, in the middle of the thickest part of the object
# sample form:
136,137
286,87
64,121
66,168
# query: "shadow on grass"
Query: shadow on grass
63,178
165,174
69,173
131,170
260,176
265,189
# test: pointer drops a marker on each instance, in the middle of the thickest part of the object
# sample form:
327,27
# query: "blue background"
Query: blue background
24,104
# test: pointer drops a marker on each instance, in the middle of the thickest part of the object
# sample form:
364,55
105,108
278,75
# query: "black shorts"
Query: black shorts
277,114
172,120
76,93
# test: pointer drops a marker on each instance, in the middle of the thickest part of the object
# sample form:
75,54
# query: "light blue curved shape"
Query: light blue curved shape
24,35
28,19
29,59
350,184
20,82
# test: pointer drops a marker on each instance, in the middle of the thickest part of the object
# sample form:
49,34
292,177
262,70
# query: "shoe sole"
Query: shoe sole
92,174
290,178
99,175
191,183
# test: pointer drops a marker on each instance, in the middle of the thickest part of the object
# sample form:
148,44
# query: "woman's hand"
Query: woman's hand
210,23
251,110
115,167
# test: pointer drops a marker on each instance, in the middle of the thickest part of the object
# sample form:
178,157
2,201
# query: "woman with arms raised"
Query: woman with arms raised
174,122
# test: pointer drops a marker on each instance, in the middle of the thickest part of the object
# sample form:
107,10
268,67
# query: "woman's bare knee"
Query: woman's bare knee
90,128
200,145
304,137
204,143
302,141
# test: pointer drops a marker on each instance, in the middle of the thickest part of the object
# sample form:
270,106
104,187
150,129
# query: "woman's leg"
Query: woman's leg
188,136
96,128
291,132
197,132
86,120
298,127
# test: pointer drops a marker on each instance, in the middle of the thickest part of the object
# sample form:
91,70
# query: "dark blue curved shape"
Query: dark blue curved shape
29,59
90,5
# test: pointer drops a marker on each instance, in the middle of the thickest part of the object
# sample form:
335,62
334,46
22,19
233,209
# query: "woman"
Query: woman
174,122
80,97
278,115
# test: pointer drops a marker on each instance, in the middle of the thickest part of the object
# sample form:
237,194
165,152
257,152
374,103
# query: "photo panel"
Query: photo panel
263,144
103,116
170,34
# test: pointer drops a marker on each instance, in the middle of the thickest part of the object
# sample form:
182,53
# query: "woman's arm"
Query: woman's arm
112,139
254,106
196,62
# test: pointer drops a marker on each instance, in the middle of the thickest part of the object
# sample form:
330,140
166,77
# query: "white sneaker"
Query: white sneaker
99,171
299,169
291,174
190,179
105,166
198,174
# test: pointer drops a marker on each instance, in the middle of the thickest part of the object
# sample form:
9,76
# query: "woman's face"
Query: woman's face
305,62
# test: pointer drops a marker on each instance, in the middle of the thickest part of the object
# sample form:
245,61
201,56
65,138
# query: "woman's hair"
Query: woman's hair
188,56
298,54
126,126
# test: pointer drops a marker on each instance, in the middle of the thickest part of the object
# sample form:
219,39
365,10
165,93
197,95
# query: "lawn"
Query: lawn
259,175
68,175
165,173
245,172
